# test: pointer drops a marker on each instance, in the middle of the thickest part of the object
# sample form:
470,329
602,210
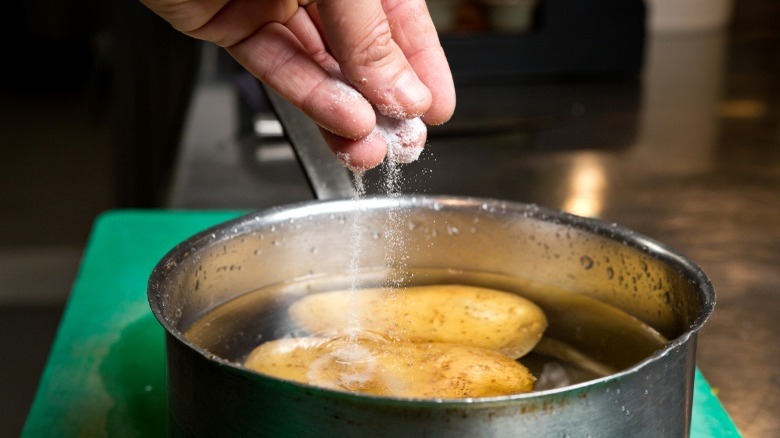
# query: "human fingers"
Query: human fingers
415,34
357,155
276,57
223,22
400,140
360,38
305,28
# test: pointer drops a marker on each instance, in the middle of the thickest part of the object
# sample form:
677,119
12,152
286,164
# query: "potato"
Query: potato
460,314
392,368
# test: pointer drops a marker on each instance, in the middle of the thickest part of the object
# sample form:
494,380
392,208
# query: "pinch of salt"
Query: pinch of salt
405,138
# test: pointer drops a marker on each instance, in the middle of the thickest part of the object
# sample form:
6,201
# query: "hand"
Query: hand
387,50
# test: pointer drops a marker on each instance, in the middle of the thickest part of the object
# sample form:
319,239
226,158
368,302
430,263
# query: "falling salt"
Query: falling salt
395,222
357,233
405,138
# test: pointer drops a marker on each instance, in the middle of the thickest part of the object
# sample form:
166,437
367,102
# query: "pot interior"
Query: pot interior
612,298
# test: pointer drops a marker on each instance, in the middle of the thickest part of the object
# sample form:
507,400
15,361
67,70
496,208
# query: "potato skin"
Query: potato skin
450,313
369,365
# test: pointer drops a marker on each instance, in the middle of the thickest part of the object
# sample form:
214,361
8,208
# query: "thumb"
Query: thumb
360,38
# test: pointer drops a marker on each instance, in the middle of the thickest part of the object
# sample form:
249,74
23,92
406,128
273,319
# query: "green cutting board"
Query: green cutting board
106,371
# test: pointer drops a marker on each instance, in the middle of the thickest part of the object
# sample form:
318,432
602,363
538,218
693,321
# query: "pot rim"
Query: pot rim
277,214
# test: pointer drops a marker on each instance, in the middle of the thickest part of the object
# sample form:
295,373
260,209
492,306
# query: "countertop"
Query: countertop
687,152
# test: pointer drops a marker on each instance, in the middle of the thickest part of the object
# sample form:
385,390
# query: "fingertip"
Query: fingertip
408,98
444,98
433,70
357,155
340,109
441,111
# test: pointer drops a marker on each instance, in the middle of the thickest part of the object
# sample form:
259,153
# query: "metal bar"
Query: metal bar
327,178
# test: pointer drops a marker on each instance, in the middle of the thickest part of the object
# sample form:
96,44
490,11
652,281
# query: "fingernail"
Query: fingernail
409,91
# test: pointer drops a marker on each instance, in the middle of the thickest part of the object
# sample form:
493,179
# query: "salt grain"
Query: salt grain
346,93
395,111
405,138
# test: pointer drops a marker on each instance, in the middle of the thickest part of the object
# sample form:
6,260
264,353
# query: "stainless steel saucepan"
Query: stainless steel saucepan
624,312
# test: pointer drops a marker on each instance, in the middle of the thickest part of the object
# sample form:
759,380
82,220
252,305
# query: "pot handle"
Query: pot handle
327,178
